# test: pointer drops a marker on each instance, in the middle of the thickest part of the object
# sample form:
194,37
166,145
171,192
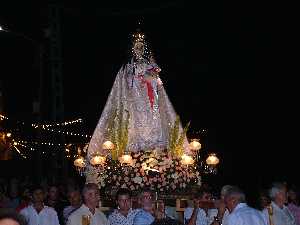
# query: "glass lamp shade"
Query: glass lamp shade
212,159
195,145
79,162
97,160
108,145
126,159
187,160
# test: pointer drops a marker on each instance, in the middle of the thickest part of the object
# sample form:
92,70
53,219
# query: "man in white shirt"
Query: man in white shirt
277,213
239,212
203,212
221,207
145,215
124,214
88,213
74,197
38,213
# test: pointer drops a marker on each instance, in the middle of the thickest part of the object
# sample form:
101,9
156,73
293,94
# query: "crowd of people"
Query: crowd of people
71,204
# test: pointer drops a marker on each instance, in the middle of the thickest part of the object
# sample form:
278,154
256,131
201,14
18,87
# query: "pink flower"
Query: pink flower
126,179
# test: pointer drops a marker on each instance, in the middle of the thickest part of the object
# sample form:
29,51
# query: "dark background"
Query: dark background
228,67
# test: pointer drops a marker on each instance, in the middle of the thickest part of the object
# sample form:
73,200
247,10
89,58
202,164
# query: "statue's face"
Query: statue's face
138,49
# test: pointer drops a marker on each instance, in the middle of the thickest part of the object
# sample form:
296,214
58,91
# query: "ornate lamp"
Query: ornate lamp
187,160
79,163
212,161
126,159
195,145
108,145
97,160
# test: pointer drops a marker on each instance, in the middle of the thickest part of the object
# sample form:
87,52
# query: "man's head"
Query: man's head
203,198
233,197
123,199
91,195
53,193
146,199
293,195
204,194
278,193
38,194
224,190
11,217
264,199
74,197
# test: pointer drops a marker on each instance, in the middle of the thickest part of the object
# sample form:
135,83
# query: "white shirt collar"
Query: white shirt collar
238,206
274,205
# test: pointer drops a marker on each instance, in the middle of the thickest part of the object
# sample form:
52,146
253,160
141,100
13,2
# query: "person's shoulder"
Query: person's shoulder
25,210
50,209
232,217
101,214
143,214
67,208
188,210
134,211
75,213
143,217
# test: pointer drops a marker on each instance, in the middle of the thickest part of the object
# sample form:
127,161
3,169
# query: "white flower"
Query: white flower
174,175
137,180
199,181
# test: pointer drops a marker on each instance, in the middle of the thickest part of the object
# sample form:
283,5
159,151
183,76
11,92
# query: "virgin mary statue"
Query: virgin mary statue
138,109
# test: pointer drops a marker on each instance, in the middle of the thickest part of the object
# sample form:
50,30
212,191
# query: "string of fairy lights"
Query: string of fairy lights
67,132
31,145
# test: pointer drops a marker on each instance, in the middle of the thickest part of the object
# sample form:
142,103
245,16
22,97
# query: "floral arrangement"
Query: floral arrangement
162,171
157,170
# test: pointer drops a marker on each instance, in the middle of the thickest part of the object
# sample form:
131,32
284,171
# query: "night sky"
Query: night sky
227,67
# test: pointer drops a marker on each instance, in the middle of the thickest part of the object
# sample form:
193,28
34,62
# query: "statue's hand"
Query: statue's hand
159,82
